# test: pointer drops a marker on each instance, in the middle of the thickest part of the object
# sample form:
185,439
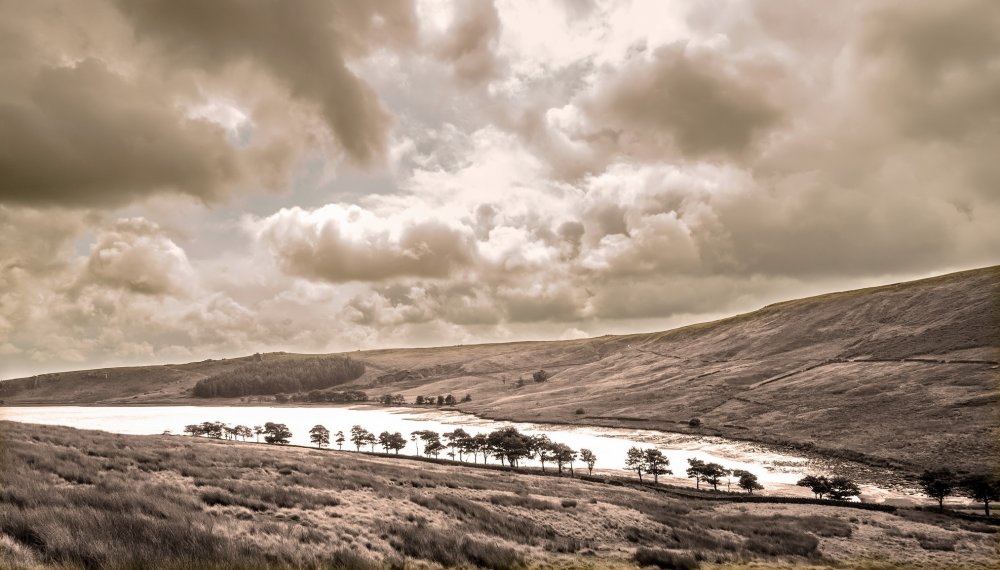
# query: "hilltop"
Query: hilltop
903,374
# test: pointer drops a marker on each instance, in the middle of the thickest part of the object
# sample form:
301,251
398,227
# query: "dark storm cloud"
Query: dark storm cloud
707,106
306,47
934,67
82,134
100,99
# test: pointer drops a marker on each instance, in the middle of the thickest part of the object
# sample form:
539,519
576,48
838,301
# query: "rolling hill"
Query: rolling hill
903,374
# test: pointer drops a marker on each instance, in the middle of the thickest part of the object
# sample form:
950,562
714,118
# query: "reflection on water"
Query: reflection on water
609,444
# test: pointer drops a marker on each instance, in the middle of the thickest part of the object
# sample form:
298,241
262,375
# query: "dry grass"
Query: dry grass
80,499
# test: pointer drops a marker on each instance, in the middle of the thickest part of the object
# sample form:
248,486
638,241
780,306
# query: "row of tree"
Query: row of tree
440,400
652,461
836,488
273,432
507,445
510,447
938,484
279,376
342,397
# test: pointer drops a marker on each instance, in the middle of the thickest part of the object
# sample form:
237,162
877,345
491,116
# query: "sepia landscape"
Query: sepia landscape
421,284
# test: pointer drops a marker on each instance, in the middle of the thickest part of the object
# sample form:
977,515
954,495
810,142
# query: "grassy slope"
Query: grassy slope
91,499
827,371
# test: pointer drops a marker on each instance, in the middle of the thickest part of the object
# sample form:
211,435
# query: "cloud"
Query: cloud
306,50
107,103
83,134
338,244
562,169
470,42
702,103
932,66
135,255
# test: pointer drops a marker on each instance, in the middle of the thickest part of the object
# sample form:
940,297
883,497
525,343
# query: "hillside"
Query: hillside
904,373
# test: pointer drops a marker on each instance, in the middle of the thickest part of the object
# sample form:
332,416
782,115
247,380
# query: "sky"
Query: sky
182,180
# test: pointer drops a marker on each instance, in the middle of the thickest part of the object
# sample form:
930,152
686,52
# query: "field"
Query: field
84,499
842,374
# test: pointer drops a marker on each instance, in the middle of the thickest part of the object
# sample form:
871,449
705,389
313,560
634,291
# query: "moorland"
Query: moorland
87,499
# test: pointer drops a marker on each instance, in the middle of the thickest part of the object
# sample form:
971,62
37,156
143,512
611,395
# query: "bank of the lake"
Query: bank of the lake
778,470
184,502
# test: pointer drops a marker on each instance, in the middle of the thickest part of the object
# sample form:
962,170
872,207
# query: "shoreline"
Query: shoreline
896,480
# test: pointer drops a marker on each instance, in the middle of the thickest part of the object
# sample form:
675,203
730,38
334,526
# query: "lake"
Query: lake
776,471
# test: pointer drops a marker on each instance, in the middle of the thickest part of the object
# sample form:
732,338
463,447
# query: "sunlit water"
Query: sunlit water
776,471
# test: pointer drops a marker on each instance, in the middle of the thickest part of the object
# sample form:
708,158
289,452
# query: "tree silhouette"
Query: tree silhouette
938,484
564,455
635,461
455,439
656,464
542,446
713,474
320,436
842,489
982,488
818,484
748,481
359,436
383,439
696,471
588,457
397,442
276,433
415,438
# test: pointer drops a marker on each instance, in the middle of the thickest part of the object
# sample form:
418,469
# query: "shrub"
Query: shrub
491,555
214,497
566,545
428,543
524,501
928,542
778,542
569,503
487,521
664,559
580,411
694,422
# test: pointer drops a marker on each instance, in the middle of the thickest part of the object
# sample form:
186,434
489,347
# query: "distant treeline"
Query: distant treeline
280,376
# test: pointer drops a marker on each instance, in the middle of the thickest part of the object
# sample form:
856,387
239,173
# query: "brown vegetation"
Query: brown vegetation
83,499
